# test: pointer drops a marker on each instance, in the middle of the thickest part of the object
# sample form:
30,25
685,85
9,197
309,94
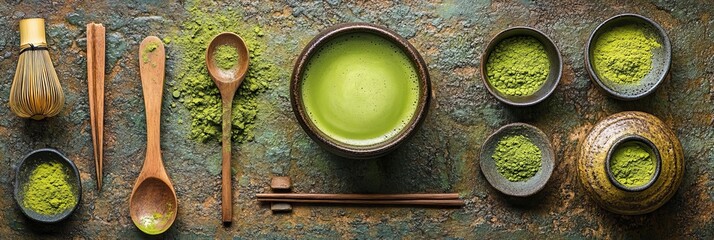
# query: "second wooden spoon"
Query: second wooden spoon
227,81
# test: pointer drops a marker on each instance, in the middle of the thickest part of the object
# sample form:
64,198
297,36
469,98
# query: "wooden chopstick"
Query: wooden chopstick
95,82
327,196
420,202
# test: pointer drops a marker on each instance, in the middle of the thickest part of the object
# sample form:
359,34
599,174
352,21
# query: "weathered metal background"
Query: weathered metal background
451,35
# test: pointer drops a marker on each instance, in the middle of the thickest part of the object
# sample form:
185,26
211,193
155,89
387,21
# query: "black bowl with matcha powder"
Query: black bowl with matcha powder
47,186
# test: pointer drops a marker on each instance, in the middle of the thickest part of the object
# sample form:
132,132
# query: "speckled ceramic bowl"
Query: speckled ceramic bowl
606,134
28,164
556,67
342,148
661,59
533,184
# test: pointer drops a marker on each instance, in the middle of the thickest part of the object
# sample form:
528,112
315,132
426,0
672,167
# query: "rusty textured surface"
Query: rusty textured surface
441,157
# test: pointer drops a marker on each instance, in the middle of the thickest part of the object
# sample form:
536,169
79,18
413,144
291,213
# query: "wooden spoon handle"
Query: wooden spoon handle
152,59
227,195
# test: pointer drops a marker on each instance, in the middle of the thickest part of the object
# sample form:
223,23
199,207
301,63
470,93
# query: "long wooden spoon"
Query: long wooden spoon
153,202
227,81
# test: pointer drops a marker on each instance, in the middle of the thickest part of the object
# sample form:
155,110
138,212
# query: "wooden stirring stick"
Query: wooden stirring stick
95,82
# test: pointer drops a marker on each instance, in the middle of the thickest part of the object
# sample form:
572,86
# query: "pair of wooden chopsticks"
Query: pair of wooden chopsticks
95,82
423,199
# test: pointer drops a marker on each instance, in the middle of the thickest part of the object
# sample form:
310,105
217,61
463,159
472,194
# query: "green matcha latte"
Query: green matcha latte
360,89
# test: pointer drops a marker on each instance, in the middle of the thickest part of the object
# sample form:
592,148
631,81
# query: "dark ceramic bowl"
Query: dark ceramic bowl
645,144
556,67
530,186
345,149
28,164
661,59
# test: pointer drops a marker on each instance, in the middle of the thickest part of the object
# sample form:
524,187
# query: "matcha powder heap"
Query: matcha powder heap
517,158
226,57
47,191
624,54
518,66
196,89
632,165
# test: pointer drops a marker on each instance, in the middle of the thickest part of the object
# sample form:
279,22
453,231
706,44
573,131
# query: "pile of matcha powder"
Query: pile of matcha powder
624,54
48,190
632,165
517,158
518,66
196,89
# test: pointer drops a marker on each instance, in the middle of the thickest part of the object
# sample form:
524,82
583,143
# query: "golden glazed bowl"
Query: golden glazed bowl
606,134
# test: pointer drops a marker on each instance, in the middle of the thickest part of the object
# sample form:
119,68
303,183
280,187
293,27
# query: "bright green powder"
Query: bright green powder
517,158
155,223
624,54
150,47
226,57
197,91
48,191
518,66
632,165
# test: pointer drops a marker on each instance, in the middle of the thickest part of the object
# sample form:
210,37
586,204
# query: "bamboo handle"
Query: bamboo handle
327,196
421,202
95,82
227,195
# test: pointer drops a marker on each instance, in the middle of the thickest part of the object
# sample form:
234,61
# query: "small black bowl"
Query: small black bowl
530,186
661,59
22,174
646,144
554,74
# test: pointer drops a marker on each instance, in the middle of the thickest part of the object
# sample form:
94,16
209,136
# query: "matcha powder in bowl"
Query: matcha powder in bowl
518,66
628,56
197,92
517,158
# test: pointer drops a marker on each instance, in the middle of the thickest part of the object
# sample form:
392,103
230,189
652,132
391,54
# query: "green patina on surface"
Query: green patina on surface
624,54
632,165
47,191
197,91
226,57
517,158
518,66
150,47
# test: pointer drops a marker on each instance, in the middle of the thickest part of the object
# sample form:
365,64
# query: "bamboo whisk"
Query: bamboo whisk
36,91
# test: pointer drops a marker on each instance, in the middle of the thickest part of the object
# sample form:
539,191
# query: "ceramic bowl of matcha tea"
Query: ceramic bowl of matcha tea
521,66
517,159
359,90
47,186
628,56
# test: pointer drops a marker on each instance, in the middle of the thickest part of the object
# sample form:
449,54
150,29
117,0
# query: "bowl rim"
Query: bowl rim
349,150
73,168
640,140
491,45
594,77
547,175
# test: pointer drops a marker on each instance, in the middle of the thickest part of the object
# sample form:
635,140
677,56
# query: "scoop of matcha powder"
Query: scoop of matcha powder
226,57
518,66
632,165
624,54
517,158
